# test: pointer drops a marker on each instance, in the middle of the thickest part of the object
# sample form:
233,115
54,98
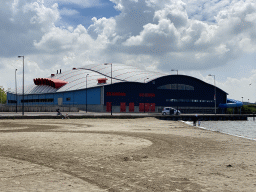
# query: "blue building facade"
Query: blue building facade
68,98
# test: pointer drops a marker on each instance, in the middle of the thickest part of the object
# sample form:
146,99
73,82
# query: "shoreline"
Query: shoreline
144,154
220,131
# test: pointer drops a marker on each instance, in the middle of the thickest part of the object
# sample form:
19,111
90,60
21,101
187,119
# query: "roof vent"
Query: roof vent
102,80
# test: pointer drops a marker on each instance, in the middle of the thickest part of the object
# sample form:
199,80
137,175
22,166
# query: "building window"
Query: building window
177,86
68,99
12,101
174,86
38,100
188,87
181,87
189,101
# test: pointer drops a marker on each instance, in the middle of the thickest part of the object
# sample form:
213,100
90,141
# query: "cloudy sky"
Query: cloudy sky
196,37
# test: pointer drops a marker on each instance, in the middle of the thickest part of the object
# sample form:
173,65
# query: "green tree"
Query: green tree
246,109
3,96
229,110
249,109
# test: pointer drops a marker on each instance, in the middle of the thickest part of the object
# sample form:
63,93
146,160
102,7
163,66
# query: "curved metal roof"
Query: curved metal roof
76,78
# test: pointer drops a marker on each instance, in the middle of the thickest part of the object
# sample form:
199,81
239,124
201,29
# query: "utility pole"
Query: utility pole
144,93
111,82
215,97
22,88
16,91
86,92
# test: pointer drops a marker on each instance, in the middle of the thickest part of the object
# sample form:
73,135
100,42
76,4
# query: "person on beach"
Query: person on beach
58,112
171,111
194,119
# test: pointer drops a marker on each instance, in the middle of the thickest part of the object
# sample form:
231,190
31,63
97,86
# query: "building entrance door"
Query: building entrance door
146,107
141,107
152,107
60,101
108,108
122,107
131,107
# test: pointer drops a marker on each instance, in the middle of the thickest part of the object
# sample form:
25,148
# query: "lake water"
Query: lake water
245,129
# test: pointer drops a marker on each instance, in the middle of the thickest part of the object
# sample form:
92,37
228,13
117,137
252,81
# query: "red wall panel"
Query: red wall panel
108,109
152,107
122,107
141,107
131,107
146,107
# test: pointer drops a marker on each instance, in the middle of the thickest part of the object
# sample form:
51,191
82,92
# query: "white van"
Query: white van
166,111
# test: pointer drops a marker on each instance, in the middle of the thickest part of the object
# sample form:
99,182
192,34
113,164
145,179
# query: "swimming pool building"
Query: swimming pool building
100,87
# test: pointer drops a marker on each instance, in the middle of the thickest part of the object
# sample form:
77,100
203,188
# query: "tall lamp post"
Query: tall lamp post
215,98
111,81
175,70
16,91
145,94
1,87
242,105
86,92
177,89
22,87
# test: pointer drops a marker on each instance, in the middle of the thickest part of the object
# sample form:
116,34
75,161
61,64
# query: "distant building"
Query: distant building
132,90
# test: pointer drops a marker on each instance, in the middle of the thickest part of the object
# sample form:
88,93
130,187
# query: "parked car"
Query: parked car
168,110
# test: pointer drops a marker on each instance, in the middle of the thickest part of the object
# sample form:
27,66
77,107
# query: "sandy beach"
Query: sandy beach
144,154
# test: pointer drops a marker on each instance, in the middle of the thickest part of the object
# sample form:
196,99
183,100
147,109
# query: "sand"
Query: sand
143,154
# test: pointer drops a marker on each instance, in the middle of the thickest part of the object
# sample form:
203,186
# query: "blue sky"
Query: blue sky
197,37
83,15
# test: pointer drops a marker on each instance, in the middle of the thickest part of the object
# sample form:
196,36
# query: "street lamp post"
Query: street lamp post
111,81
242,105
16,91
86,92
1,93
144,93
177,88
22,87
215,97
175,70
